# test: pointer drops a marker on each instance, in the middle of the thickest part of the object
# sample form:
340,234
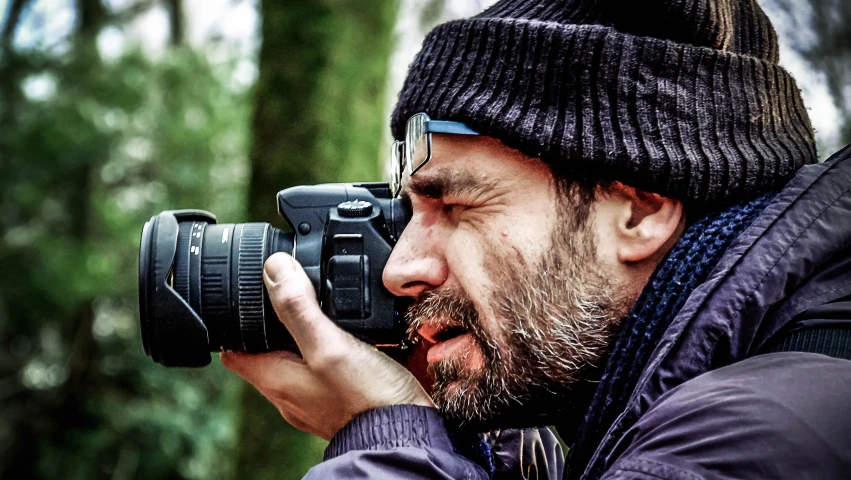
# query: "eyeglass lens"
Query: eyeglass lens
396,167
409,155
416,143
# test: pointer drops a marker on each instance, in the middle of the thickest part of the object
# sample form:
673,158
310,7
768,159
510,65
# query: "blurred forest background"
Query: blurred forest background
114,110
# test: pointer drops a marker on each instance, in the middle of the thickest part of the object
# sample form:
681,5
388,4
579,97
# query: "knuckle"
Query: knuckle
288,300
282,292
330,360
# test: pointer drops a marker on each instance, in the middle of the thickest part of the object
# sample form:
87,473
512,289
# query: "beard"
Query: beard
555,320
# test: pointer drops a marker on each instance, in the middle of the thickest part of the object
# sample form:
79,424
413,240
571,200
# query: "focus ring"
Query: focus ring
180,279
213,293
252,244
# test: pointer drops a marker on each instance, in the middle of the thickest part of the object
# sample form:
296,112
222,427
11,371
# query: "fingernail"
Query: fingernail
279,266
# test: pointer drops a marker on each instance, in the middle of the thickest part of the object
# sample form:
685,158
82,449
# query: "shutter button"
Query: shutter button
354,209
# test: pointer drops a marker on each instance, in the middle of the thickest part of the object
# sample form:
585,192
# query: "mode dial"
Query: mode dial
354,209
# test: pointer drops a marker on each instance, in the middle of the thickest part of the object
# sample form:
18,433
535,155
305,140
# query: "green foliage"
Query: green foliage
84,165
89,150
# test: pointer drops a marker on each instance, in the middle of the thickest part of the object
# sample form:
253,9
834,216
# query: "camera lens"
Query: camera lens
201,287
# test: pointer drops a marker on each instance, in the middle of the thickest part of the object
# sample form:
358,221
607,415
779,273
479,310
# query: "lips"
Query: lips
440,333
439,319
444,340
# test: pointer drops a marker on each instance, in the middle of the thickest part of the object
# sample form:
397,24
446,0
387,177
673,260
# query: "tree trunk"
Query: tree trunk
318,118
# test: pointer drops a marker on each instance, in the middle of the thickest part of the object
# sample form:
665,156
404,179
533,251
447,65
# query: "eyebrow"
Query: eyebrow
443,183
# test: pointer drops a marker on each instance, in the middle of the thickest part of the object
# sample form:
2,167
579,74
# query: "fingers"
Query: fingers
279,376
267,371
294,300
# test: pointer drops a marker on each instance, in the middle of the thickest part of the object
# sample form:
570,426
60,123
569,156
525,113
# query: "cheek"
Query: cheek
467,254
517,237
464,256
473,249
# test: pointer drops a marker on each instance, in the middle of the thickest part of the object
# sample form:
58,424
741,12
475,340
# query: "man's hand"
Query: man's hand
337,376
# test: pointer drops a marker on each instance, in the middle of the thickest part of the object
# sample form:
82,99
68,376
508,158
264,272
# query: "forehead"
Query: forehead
480,159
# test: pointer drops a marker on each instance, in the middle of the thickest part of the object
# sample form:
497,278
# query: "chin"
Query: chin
515,418
483,413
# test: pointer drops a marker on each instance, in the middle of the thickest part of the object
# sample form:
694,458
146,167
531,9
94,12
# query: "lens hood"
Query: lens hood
172,332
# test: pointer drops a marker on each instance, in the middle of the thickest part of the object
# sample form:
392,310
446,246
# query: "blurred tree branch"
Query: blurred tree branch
10,64
16,8
176,16
90,14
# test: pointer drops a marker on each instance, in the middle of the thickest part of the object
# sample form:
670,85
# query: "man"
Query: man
619,228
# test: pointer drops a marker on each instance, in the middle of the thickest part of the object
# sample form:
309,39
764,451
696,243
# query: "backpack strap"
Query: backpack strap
831,341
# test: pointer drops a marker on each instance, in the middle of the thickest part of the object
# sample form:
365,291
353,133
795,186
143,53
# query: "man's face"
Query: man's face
509,296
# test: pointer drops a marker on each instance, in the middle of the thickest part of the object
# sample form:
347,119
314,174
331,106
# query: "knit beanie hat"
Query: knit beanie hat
684,98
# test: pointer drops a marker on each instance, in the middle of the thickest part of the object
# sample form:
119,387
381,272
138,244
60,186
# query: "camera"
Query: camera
201,283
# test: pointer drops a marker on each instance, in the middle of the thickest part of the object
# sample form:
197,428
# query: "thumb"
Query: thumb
294,300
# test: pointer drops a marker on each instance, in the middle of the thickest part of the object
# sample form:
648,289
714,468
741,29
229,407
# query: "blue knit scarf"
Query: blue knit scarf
685,267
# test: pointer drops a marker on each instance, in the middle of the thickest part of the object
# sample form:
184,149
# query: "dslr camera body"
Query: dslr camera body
201,283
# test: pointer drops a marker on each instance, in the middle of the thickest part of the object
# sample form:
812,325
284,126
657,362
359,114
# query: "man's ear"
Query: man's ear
647,224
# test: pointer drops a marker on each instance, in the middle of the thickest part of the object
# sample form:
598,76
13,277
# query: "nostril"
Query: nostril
409,273
414,289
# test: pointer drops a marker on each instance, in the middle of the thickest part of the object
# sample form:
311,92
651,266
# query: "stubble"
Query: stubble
555,319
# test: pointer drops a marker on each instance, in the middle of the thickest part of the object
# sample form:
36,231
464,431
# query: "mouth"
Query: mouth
445,341
435,334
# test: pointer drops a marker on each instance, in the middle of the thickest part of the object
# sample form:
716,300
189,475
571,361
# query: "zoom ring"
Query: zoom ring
250,286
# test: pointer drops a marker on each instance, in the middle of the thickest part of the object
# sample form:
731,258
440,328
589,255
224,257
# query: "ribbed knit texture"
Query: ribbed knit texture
685,267
399,426
681,97
387,428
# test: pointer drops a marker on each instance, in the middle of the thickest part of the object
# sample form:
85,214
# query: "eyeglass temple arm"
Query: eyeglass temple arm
446,126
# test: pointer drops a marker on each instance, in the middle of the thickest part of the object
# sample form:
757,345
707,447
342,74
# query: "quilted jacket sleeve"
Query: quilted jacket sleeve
411,442
400,441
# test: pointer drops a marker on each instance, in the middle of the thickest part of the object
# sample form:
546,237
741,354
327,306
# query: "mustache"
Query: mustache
442,308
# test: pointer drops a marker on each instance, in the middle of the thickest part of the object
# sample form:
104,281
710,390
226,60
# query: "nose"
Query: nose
415,264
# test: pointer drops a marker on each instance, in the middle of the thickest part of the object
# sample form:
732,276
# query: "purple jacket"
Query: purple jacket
709,404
